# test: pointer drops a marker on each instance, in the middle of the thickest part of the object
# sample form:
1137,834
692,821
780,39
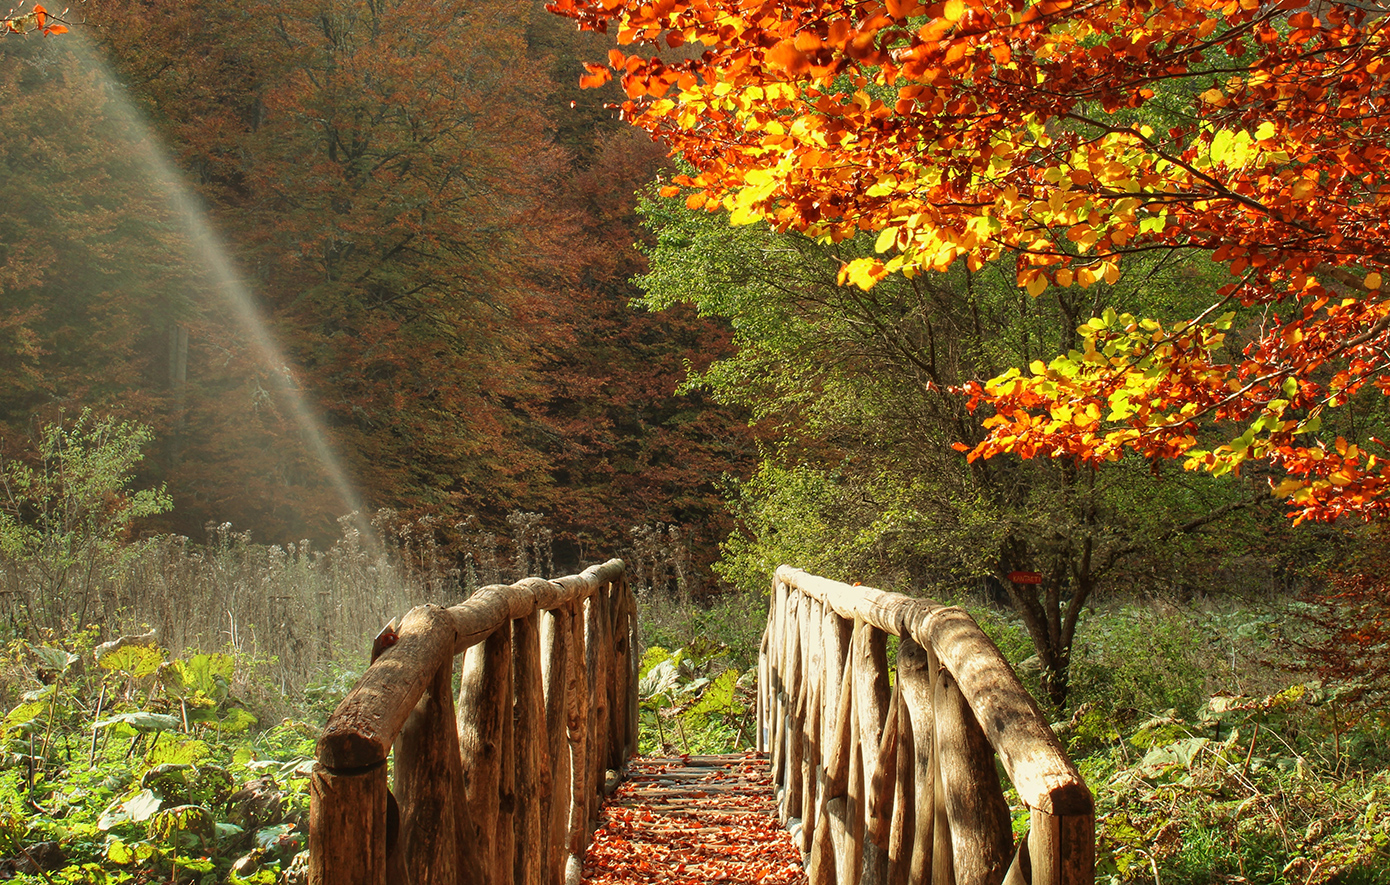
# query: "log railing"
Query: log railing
505,787
894,780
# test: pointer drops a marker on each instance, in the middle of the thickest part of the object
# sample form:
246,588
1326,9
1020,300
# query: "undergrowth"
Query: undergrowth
123,763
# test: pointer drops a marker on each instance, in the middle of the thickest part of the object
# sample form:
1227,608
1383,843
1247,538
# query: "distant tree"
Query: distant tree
626,447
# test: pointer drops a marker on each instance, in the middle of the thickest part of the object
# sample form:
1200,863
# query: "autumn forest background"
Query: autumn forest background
310,311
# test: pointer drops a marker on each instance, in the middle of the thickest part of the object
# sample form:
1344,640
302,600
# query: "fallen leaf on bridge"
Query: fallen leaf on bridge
696,820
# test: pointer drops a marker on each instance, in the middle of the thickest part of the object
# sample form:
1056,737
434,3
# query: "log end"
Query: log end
342,746
1072,799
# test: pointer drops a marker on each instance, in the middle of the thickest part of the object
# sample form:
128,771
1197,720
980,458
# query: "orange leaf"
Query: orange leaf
785,55
597,75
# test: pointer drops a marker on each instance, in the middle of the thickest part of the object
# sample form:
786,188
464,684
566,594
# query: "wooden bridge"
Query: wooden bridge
882,774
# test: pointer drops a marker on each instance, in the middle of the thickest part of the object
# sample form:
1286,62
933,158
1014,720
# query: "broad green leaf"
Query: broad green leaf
236,720
189,752
55,658
1179,753
142,721
136,661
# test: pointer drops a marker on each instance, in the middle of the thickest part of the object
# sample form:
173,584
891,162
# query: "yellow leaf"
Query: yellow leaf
954,11
1372,280
862,272
1287,487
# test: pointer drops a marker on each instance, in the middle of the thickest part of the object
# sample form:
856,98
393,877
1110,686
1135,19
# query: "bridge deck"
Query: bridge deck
697,820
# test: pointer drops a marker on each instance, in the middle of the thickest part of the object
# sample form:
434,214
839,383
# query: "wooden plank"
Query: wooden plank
981,837
484,711
438,846
347,826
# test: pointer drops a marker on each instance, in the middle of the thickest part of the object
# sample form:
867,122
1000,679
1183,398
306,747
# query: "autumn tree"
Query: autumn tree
438,240
381,170
1071,138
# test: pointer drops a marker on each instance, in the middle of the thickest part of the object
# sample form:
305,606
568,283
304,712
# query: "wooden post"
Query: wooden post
812,774
831,837
981,836
849,862
902,829
531,855
633,642
879,805
791,760
760,742
916,669
577,731
556,634
438,847
347,826
778,676
1062,849
598,707
484,716
870,699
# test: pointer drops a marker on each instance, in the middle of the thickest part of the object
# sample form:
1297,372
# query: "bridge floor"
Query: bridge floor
696,820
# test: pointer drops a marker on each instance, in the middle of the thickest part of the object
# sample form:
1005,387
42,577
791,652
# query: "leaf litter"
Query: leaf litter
694,819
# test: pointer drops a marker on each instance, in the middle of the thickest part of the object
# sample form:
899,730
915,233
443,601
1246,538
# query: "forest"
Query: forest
1068,313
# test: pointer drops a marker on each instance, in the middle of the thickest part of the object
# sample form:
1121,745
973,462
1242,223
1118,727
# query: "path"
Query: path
697,820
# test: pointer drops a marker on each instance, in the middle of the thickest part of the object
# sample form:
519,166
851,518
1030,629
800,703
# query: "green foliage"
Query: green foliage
69,513
148,767
862,475
1262,788
692,701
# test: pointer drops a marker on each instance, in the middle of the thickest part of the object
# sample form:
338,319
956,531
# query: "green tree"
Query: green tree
868,480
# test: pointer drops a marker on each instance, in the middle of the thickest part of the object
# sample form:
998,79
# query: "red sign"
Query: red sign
1025,577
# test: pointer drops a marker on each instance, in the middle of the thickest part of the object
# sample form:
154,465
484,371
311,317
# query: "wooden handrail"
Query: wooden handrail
505,789
888,780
